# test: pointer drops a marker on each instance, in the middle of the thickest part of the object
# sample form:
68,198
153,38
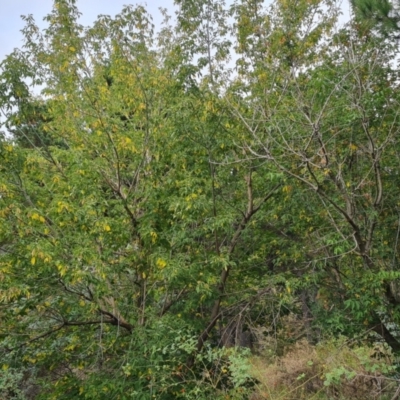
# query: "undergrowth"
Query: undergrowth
335,369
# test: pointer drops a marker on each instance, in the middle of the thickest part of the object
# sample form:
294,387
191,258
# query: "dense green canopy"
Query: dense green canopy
170,199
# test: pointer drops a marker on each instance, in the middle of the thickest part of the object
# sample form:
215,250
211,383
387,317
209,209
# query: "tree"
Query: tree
327,118
153,210
381,14
113,241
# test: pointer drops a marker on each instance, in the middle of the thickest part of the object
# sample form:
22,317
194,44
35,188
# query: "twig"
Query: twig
397,394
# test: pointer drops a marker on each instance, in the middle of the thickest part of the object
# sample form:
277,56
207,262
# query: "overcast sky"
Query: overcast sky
11,11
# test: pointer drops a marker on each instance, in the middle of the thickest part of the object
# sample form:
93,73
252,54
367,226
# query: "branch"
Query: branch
216,313
116,321
168,305
77,293
58,328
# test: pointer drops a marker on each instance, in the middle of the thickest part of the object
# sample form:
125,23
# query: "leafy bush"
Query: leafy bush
10,384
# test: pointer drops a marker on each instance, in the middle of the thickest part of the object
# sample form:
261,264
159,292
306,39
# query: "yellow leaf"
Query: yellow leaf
161,263
353,147
33,260
62,269
107,228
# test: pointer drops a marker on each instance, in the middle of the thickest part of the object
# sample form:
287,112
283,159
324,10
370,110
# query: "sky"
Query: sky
11,11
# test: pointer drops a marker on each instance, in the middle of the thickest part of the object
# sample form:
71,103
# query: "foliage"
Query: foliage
10,385
160,210
382,15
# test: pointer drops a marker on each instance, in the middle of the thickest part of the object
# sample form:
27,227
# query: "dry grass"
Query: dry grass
331,370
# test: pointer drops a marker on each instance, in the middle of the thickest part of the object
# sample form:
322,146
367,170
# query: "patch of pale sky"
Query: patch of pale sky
11,11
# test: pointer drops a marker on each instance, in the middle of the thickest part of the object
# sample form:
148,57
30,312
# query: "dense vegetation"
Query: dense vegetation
209,210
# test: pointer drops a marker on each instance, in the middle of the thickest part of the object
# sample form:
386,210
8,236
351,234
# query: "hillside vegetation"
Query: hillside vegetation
206,210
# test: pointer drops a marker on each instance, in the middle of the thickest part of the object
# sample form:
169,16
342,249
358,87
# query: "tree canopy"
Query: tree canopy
171,197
